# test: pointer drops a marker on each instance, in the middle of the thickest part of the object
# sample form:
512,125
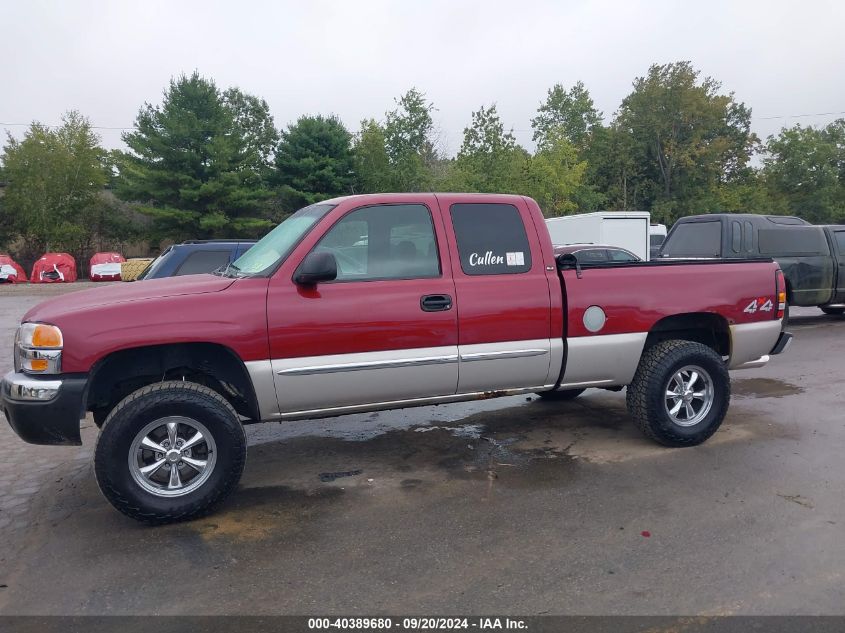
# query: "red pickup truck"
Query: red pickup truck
377,302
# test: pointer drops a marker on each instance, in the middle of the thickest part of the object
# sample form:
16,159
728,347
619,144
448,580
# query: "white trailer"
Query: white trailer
627,229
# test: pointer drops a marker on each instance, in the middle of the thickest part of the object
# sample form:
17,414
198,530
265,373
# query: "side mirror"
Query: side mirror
316,267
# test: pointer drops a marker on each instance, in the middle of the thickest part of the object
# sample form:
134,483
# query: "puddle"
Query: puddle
326,477
763,388
254,514
288,484
472,431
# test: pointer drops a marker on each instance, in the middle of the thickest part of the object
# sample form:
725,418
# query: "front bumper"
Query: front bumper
44,410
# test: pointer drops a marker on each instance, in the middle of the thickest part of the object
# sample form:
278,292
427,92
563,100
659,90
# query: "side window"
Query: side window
749,236
840,240
202,262
384,242
592,255
694,239
491,239
736,236
620,256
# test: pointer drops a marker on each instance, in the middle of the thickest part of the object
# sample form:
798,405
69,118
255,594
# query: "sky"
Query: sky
353,58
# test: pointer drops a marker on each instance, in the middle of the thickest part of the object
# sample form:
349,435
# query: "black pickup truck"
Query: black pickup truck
812,257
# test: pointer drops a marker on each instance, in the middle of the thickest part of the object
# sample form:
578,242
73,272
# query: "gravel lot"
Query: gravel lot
515,505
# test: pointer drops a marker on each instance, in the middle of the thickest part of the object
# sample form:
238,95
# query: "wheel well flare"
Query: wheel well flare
216,366
707,328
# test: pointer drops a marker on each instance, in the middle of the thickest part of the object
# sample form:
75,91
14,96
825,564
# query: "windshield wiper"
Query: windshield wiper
224,271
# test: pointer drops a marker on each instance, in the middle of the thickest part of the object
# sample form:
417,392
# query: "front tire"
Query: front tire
169,452
833,311
680,393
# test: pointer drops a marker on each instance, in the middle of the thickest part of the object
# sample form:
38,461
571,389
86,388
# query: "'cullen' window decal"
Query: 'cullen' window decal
491,239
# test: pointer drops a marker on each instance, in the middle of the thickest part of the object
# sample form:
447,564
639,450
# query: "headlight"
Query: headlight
38,349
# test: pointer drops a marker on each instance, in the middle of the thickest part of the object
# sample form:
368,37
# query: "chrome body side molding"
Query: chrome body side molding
514,353
374,364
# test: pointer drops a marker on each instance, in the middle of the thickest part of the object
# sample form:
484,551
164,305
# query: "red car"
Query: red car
377,302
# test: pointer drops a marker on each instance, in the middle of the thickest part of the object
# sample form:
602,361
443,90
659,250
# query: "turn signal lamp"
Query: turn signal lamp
781,291
38,349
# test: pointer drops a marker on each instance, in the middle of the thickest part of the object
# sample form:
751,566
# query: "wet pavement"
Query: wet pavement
513,505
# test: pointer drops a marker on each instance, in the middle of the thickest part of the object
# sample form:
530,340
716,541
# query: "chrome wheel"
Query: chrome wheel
172,456
689,395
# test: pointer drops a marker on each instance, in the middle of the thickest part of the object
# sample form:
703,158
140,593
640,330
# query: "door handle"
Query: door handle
435,303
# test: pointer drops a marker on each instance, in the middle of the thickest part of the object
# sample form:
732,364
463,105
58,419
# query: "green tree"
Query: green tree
688,138
254,123
197,162
613,176
314,161
54,191
489,160
554,176
372,164
805,167
750,194
409,143
570,114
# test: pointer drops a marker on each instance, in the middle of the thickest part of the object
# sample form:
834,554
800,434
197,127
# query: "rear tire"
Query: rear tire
680,393
562,395
833,311
169,452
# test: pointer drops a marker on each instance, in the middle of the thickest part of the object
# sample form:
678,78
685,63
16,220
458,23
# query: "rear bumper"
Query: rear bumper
784,341
44,410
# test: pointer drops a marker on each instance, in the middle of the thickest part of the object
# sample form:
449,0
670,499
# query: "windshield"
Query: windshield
150,271
272,249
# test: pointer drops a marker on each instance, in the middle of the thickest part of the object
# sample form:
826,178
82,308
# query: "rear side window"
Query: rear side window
749,236
694,239
798,241
840,240
491,239
736,237
617,255
202,262
787,220
592,255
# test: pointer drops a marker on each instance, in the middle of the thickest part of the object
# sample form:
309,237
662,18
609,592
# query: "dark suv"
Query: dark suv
194,257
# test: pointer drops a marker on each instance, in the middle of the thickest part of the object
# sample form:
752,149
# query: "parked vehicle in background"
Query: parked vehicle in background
194,257
597,253
11,272
626,229
452,297
812,258
656,237
53,268
105,266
